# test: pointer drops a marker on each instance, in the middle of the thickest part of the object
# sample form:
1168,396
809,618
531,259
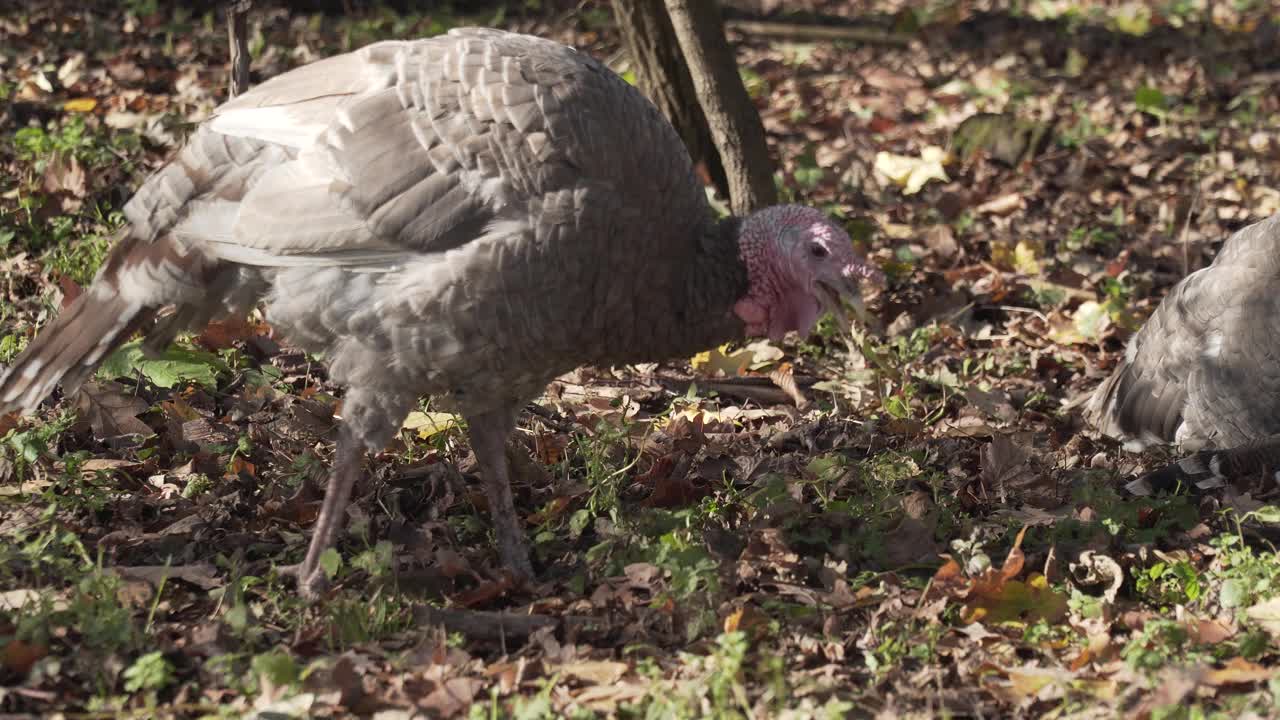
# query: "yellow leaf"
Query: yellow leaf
1024,259
430,424
913,172
81,105
720,360
1003,256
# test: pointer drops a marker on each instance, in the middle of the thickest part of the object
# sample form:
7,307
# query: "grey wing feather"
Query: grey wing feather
1205,369
412,147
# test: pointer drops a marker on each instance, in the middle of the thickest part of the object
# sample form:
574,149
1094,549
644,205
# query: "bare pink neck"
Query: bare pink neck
766,284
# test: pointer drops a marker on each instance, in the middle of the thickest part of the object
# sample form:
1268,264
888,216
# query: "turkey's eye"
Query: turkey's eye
818,251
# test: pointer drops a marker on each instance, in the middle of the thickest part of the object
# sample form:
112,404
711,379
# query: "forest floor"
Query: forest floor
935,533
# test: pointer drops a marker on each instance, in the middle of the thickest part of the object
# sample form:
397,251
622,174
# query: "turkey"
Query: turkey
1203,373
465,216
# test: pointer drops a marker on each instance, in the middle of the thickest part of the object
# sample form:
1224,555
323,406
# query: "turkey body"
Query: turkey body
1204,372
479,214
465,216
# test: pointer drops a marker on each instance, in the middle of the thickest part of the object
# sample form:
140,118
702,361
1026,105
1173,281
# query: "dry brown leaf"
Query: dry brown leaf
64,176
93,465
595,672
606,698
941,239
746,618
1239,671
1003,205
110,411
451,697
1005,465
202,575
19,655
1095,568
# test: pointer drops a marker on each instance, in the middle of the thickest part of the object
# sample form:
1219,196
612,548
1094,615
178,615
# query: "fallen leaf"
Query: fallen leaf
1267,615
1003,205
720,361
80,105
65,178
93,465
451,697
171,367
110,411
1239,671
484,593
1005,465
911,173
596,672
606,698
1210,632
1028,682
221,334
19,655
747,619
1089,323
202,575
941,239
430,424
18,599
1094,568
1025,258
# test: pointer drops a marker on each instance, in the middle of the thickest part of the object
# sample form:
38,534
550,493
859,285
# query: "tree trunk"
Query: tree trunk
661,73
735,124
238,39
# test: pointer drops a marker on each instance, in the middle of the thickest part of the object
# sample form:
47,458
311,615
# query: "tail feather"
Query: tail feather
138,279
69,349
1136,410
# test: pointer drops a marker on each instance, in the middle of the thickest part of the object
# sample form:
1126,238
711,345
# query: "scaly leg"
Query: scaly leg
489,432
346,467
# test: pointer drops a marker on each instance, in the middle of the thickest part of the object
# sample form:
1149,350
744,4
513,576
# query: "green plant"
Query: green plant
149,672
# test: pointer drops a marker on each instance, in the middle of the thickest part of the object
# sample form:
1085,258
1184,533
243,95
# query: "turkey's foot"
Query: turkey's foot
312,580
489,433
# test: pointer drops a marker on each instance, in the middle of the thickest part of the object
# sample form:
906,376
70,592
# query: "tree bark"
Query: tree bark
735,124
238,39
661,73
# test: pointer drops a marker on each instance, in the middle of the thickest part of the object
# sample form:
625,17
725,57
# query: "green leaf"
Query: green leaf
149,672
1269,514
1233,593
277,667
172,367
376,561
330,561
1151,100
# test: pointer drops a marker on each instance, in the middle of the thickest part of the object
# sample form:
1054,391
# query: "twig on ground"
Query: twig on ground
797,31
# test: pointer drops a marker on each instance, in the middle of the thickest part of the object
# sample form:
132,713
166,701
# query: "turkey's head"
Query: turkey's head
799,263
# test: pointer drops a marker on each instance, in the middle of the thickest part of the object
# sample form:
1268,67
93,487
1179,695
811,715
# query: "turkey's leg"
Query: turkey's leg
346,467
489,432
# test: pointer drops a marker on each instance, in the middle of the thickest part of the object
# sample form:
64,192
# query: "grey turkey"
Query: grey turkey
465,216
1204,372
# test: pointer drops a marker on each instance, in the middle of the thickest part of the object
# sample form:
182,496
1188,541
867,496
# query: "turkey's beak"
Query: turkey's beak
848,291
